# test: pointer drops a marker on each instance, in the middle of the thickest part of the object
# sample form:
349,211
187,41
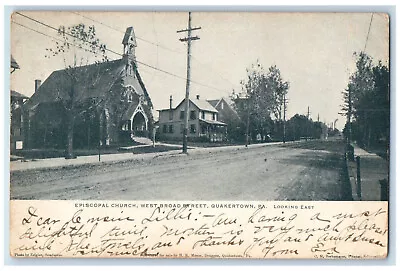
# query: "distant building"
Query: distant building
115,107
16,114
16,120
226,113
204,121
14,65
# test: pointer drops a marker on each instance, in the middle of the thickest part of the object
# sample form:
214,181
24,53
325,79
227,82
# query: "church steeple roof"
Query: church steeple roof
129,37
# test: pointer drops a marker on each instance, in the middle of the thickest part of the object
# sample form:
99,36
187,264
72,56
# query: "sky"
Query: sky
314,51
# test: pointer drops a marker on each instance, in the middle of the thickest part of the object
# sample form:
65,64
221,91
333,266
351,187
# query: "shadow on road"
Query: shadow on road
324,175
335,146
325,161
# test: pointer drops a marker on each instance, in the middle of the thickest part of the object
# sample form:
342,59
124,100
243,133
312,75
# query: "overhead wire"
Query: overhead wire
115,29
369,29
111,51
158,45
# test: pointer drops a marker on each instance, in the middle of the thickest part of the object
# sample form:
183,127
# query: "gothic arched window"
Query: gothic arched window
129,69
129,94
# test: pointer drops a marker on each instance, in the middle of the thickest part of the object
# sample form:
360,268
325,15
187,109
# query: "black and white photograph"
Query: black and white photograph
199,106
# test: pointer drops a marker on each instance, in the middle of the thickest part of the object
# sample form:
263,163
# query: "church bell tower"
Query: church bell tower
129,43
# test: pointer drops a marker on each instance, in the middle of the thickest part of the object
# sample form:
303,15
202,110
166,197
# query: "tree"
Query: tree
381,104
279,89
299,126
261,98
78,46
366,102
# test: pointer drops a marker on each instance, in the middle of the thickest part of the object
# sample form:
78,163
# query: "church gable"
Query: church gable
110,95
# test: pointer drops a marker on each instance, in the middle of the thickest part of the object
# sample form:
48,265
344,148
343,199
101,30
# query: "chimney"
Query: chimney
170,102
198,97
37,84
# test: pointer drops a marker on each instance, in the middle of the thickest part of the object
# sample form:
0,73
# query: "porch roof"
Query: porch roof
213,122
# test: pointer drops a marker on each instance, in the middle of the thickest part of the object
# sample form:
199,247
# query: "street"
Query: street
292,171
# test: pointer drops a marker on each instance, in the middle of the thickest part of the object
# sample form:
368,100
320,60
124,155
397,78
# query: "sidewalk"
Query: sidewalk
373,169
52,163
156,144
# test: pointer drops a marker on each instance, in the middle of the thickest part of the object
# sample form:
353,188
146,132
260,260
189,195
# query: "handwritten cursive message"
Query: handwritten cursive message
337,230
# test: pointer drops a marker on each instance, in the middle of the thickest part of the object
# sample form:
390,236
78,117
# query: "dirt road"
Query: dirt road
294,171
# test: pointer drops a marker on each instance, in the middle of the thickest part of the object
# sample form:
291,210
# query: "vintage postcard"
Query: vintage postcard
199,135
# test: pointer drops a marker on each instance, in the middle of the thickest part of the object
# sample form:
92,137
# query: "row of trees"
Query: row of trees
366,103
261,105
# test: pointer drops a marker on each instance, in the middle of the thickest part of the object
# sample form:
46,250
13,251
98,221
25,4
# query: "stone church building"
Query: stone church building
110,101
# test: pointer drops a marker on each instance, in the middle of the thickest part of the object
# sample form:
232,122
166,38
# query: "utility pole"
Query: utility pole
284,117
248,119
187,39
349,120
307,124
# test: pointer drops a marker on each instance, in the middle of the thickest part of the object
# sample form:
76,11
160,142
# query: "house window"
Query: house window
16,132
203,114
214,116
164,129
222,105
171,115
192,115
192,128
182,115
171,129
